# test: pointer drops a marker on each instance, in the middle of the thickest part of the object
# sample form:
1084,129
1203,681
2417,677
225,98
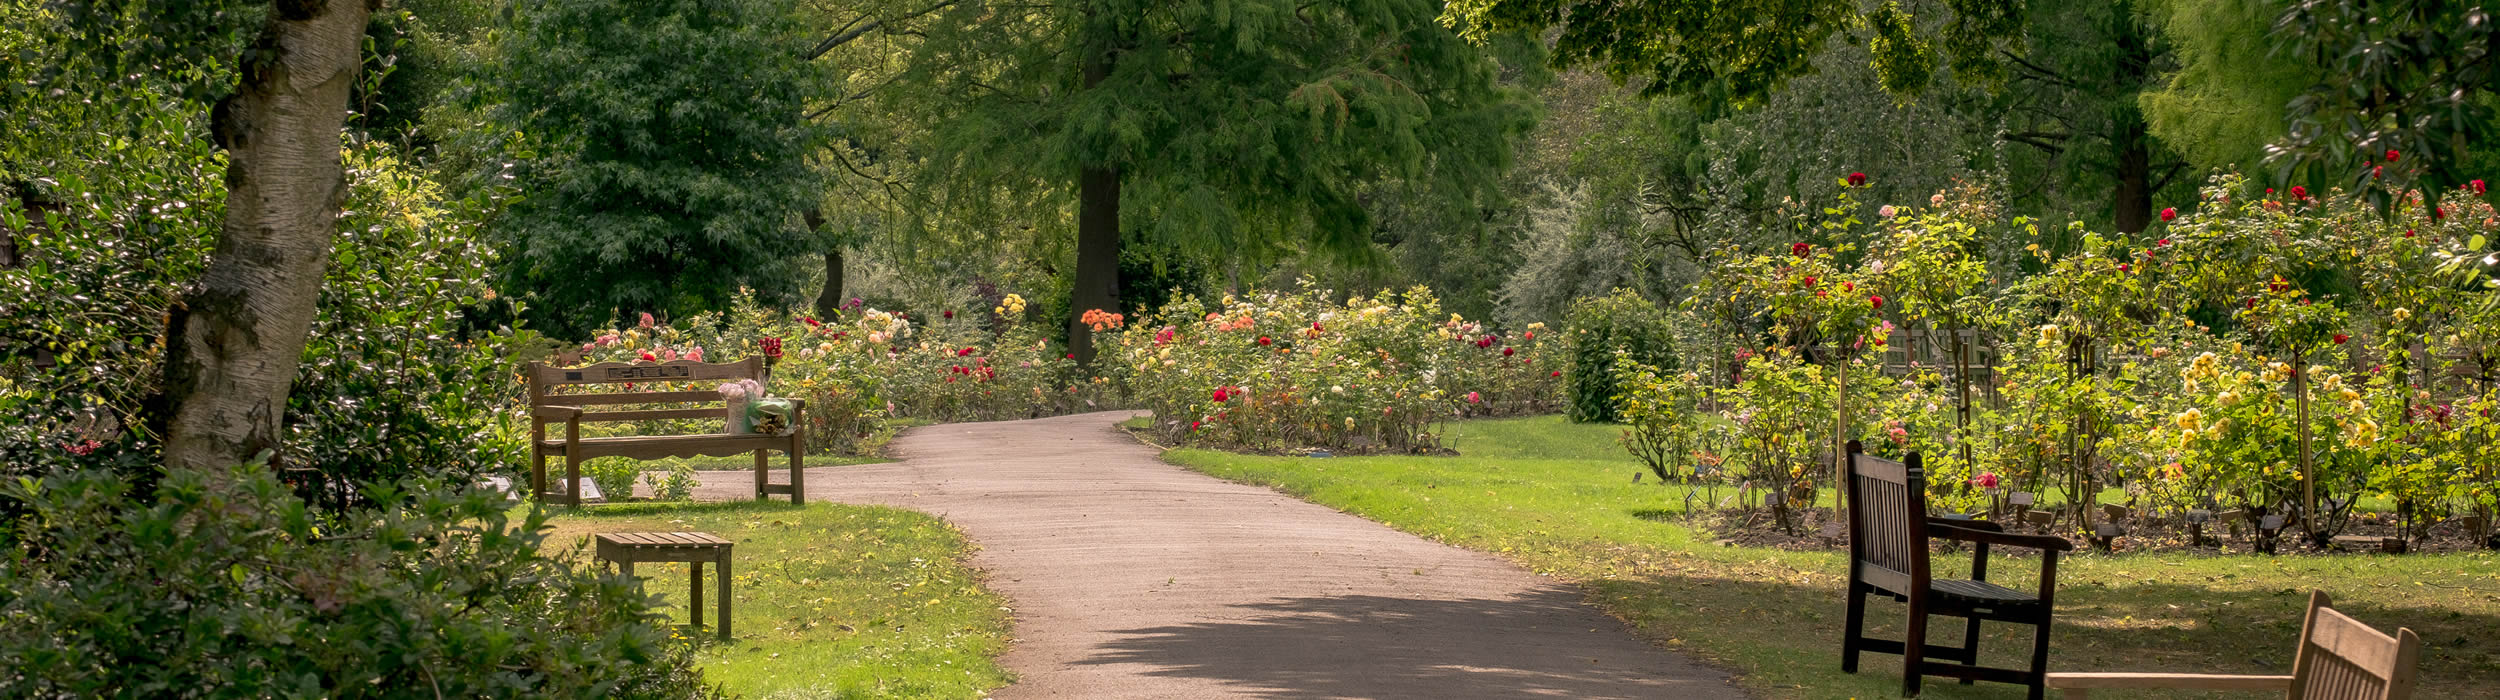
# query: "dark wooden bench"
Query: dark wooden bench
1889,532
693,548
550,405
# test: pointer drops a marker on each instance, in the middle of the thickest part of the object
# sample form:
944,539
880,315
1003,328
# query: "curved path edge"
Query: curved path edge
1134,578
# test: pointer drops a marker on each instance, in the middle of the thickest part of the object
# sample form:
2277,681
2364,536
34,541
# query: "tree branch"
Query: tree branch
845,37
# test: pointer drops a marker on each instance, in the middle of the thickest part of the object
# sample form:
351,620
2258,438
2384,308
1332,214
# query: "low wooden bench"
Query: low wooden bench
693,548
549,406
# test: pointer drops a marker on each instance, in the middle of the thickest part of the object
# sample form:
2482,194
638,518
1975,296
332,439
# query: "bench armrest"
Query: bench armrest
1956,532
1967,524
564,413
2174,681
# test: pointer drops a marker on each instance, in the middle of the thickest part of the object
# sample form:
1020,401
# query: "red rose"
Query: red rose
648,357
1072,356
2252,303
1799,249
2168,213
1876,300
1507,351
2339,337
1848,286
2408,233
1220,396
2299,192
1809,280
1557,373
2477,185
811,320
1532,335
966,352
950,313
2438,213
2163,243
772,347
1193,425
2392,155
2123,267
1264,340
1484,342
1857,179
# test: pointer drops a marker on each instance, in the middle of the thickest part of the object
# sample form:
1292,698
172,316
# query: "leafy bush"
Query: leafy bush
393,383
1279,371
1663,421
1597,329
225,585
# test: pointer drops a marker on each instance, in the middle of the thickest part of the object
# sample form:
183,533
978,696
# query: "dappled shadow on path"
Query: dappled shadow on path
1538,643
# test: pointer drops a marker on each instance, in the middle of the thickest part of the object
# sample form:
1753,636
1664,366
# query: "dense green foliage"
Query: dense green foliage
228,585
1602,332
663,167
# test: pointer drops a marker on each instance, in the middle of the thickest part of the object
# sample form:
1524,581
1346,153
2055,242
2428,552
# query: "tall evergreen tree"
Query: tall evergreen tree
1248,126
672,155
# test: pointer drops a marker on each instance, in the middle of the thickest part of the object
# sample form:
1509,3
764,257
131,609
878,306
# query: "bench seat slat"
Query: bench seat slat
656,446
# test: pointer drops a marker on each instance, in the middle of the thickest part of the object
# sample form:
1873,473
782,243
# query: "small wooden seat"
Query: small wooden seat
1889,532
547,406
693,548
2338,659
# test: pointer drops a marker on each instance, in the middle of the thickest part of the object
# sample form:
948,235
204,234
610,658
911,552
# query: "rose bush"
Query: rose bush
1274,371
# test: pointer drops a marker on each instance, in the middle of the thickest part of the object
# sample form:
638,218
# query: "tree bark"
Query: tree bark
1097,283
829,301
2133,200
235,339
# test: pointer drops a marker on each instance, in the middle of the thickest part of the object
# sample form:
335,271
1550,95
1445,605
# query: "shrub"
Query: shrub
1663,424
224,584
1595,331
1280,371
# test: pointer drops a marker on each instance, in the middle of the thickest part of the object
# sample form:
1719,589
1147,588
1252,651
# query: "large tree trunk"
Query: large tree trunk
234,341
1097,283
2133,200
829,301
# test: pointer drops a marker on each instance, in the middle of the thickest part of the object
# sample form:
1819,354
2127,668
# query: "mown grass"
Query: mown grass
831,600
1559,499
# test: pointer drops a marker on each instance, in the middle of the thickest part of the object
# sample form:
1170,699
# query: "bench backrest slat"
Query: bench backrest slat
635,397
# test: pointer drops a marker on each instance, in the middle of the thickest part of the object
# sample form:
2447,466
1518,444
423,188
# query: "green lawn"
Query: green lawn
831,600
1557,498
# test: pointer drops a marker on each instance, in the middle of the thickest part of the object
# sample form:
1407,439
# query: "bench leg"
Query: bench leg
626,567
1852,627
694,594
572,481
723,574
1970,645
798,474
538,474
761,464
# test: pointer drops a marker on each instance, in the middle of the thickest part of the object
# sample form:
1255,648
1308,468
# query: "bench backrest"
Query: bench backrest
546,381
1887,521
2342,659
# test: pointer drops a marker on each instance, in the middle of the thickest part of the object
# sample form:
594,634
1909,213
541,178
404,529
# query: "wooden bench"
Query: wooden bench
693,548
548,406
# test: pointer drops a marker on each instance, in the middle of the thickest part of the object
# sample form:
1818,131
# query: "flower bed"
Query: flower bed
1284,371
2252,357
866,364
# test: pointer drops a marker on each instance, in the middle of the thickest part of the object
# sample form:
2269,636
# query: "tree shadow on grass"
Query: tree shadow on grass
1790,632
1541,643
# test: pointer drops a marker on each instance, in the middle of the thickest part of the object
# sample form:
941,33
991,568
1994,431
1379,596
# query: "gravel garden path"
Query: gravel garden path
1132,578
